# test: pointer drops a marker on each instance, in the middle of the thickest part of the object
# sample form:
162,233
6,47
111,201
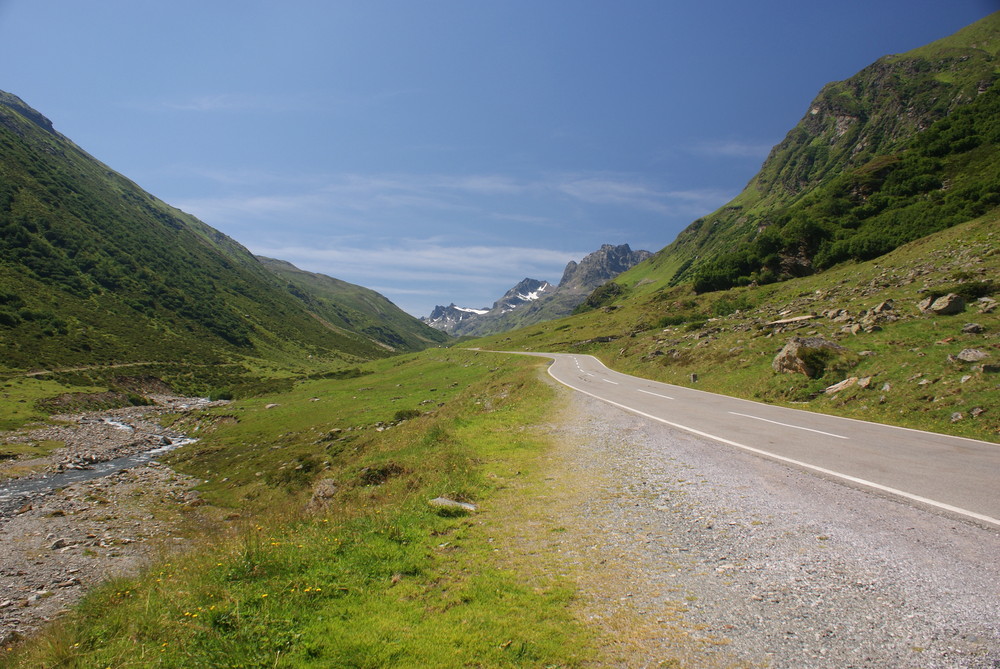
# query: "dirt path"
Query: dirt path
58,545
689,553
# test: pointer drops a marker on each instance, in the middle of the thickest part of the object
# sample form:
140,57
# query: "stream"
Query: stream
15,493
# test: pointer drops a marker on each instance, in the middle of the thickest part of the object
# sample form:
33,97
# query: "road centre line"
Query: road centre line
774,456
666,397
614,383
797,427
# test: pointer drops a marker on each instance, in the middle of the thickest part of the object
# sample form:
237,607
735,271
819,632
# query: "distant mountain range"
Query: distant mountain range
94,271
533,301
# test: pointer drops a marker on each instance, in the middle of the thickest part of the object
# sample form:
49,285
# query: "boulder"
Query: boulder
448,506
943,306
323,492
972,355
807,355
843,385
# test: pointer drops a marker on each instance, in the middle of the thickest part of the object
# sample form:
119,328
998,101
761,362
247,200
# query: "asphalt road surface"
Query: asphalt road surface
951,474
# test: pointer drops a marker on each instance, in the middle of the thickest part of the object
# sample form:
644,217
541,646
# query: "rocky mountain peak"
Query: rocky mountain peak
527,290
600,266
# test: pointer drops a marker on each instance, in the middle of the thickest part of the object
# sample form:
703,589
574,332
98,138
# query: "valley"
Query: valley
773,442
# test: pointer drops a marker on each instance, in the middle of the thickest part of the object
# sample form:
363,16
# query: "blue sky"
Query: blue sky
441,150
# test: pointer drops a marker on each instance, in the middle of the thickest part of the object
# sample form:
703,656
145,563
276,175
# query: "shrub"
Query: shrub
406,414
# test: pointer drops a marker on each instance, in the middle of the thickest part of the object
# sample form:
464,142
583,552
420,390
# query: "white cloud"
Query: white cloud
615,191
428,261
733,149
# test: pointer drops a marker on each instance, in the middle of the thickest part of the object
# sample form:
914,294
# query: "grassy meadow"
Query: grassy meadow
372,576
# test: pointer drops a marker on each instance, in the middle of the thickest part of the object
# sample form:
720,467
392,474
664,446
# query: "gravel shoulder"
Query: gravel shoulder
691,553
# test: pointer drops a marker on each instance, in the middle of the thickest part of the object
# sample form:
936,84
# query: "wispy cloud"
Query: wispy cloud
733,149
427,261
615,191
493,196
475,275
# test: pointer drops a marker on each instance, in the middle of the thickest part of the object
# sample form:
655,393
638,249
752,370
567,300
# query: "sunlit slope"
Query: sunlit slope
906,147
356,309
94,270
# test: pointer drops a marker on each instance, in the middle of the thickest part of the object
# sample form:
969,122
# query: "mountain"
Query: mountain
448,318
458,320
95,272
534,301
355,309
525,292
906,147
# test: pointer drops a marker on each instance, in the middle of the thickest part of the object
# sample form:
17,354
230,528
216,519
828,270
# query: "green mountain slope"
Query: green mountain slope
95,271
904,148
356,309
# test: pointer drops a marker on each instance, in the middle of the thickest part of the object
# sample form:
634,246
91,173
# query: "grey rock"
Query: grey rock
972,355
843,385
323,492
943,306
972,328
447,504
805,355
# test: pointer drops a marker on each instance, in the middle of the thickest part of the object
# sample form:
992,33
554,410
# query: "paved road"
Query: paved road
957,475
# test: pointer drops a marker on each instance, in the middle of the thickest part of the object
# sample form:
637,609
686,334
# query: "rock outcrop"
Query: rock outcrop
807,355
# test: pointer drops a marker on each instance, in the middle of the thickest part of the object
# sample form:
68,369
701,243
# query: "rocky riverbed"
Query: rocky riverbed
55,544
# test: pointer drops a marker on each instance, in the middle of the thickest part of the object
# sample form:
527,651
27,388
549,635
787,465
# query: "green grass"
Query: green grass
377,579
19,395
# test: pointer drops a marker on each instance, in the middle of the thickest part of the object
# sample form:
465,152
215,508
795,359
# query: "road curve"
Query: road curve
952,474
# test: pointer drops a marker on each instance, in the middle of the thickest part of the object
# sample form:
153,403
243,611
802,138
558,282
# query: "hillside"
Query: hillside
355,309
95,271
906,147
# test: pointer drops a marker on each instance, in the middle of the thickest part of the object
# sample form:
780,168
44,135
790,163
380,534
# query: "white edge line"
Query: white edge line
798,463
666,397
797,427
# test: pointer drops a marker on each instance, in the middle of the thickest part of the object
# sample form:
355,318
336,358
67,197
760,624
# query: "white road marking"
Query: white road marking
614,383
666,397
797,427
829,472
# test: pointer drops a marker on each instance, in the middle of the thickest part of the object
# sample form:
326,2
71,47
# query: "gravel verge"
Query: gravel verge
692,553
